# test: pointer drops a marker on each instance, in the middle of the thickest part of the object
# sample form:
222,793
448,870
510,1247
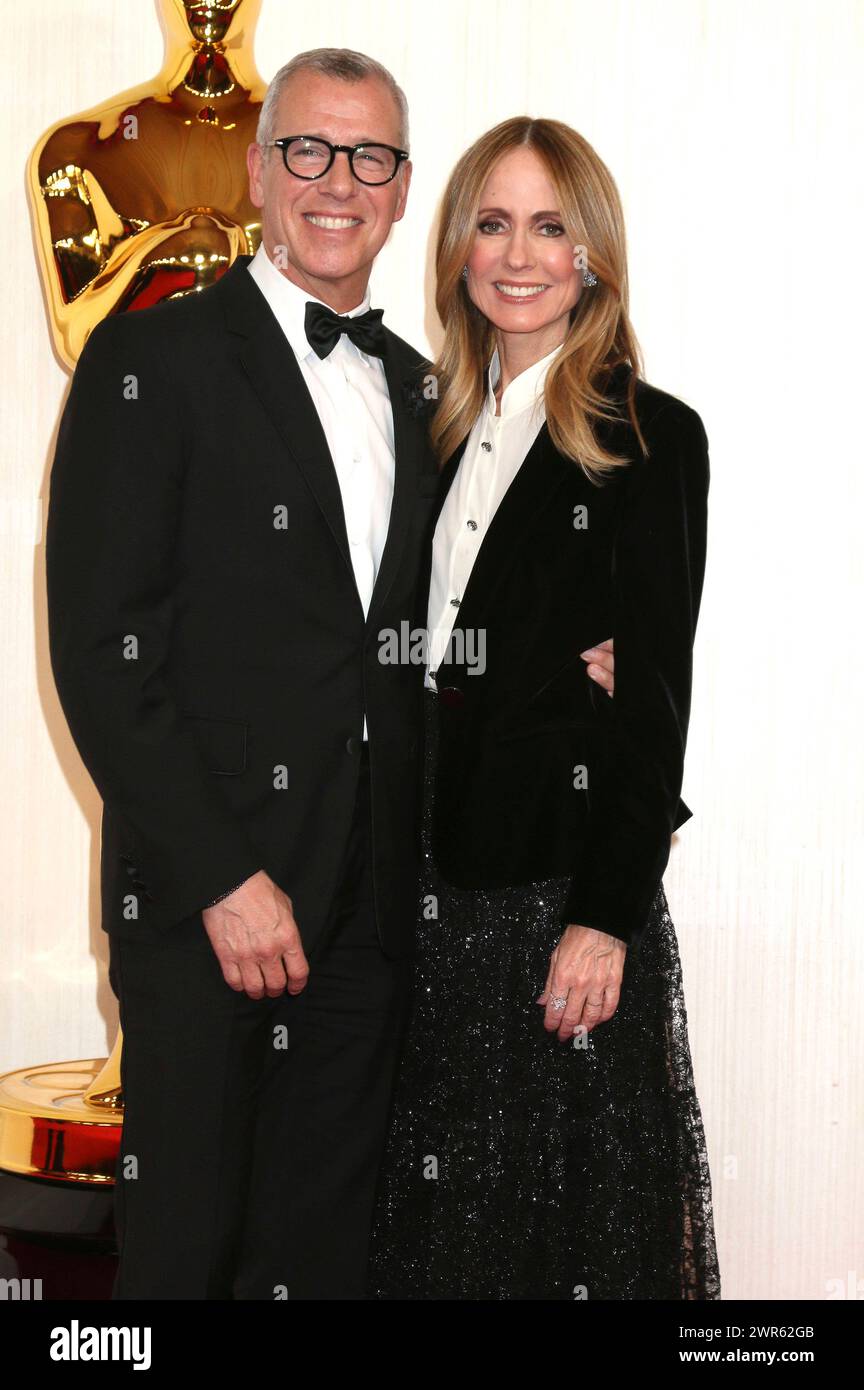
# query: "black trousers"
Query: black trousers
254,1129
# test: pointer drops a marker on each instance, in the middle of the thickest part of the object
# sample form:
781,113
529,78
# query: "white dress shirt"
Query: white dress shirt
349,391
495,451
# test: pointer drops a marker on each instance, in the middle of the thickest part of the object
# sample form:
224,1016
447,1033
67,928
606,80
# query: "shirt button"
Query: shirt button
487,447
454,602
472,525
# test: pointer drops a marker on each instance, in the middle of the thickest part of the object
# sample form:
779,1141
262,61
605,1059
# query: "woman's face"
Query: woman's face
520,271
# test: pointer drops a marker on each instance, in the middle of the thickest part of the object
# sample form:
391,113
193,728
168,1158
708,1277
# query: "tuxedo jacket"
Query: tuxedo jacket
207,638
540,773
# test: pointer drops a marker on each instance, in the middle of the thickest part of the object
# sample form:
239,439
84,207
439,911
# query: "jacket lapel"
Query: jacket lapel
534,488
275,375
409,443
276,378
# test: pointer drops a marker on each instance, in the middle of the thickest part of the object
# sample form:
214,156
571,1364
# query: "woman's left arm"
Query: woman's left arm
659,564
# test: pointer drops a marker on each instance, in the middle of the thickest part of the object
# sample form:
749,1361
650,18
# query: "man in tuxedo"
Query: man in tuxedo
238,500
237,504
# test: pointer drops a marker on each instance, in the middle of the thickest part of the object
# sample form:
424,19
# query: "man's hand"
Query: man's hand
256,940
601,666
585,971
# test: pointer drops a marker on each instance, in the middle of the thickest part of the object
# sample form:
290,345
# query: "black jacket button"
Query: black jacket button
451,695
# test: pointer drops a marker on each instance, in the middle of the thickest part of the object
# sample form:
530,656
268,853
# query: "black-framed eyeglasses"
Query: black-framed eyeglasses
309,157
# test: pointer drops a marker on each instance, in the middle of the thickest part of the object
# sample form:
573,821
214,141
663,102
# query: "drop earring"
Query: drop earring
464,272
580,262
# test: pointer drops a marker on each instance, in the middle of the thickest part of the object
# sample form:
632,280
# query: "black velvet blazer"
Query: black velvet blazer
540,774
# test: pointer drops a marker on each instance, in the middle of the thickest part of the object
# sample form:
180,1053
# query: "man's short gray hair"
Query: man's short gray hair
346,66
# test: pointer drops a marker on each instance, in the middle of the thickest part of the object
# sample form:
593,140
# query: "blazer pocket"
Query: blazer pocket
222,742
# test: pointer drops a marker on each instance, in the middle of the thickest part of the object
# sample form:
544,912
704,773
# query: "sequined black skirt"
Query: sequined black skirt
518,1167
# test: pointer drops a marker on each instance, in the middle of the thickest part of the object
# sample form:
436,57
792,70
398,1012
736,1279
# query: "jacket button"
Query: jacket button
353,746
451,695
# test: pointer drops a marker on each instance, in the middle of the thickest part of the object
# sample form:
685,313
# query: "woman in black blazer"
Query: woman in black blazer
547,1139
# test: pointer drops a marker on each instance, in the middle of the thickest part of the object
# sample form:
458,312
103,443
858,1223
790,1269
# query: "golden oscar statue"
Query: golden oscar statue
139,199
145,196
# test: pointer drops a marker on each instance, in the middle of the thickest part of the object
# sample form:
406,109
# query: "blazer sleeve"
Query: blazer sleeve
111,558
658,570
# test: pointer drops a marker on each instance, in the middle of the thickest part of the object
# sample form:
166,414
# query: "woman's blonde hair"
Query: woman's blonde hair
600,335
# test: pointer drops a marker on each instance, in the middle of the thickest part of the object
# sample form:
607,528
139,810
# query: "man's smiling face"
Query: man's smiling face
324,234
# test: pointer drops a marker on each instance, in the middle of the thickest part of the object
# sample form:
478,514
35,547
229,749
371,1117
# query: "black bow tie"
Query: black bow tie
323,329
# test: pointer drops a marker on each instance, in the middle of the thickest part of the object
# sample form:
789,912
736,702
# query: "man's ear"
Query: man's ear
405,175
255,168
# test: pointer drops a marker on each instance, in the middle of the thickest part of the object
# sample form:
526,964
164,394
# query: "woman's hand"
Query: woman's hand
601,665
585,970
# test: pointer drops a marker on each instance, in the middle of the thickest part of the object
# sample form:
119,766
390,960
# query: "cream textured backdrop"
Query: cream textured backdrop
734,131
